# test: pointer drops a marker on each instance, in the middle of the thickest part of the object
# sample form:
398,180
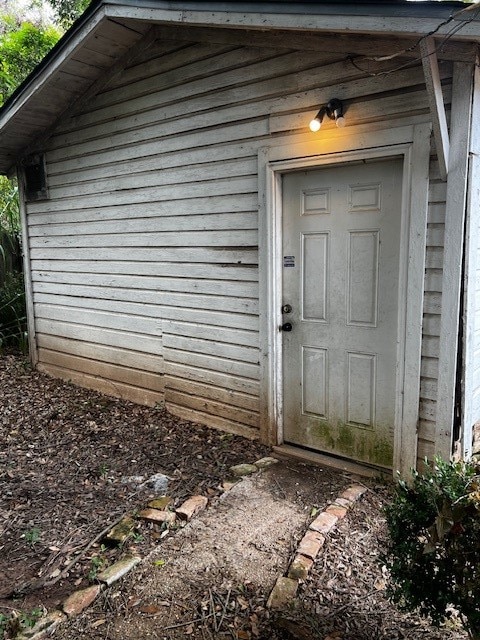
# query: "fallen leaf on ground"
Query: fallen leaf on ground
98,623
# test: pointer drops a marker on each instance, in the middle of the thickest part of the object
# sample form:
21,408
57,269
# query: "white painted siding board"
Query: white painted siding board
433,280
206,205
116,389
428,390
195,415
195,330
164,56
427,428
429,367
435,235
222,380
430,346
431,325
214,319
437,192
156,269
105,337
426,451
428,411
212,347
210,362
139,195
211,407
234,288
211,392
432,303
206,222
186,173
209,170
238,238
108,371
191,300
102,353
434,259
122,322
436,213
212,255
432,311
381,107
197,156
86,156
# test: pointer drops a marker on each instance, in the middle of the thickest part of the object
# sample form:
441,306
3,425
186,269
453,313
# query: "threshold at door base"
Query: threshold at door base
305,455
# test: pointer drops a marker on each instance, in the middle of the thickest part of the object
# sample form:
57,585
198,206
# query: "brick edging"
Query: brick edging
78,601
285,589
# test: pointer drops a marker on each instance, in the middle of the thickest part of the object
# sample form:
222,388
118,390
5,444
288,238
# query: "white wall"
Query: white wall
145,258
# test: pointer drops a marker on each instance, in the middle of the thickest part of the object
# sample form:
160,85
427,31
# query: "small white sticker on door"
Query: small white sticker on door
288,261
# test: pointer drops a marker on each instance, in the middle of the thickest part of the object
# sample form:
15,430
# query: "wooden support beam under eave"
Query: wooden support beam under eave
435,99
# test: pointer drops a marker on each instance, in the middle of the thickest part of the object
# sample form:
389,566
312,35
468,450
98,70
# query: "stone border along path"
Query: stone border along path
284,591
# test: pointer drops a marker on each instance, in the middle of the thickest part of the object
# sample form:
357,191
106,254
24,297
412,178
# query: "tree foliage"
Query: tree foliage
67,11
21,49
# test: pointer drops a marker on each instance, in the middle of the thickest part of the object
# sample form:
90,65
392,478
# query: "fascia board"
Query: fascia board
340,23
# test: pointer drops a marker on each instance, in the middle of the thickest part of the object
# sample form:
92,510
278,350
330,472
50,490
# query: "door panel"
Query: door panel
341,244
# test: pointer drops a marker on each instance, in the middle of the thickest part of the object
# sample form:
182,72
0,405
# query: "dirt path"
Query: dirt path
215,575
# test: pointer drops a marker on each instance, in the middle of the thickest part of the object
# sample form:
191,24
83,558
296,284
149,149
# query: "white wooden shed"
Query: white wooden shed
178,213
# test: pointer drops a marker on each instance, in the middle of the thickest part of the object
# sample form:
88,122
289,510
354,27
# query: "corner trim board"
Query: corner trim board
32,341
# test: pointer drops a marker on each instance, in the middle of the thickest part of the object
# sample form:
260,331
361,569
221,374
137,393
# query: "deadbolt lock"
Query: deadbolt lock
287,308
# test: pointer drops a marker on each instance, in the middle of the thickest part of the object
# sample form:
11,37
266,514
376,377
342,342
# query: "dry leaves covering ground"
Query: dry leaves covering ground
63,454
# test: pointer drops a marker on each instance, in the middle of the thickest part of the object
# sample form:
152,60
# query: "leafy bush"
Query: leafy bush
9,207
433,552
13,316
12,293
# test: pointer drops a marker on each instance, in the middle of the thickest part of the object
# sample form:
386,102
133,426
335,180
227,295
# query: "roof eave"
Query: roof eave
28,95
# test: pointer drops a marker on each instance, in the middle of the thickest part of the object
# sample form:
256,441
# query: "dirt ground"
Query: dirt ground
68,461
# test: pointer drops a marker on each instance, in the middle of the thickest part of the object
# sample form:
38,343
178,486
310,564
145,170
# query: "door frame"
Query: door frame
301,153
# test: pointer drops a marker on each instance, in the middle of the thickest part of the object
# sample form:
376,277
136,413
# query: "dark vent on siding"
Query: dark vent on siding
35,178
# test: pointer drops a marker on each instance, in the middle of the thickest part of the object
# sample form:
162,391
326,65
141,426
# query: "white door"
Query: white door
341,245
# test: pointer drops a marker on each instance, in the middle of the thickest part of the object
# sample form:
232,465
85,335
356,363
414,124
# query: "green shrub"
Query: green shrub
13,316
433,551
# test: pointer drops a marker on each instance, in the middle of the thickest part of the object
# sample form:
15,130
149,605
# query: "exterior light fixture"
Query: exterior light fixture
333,110
316,123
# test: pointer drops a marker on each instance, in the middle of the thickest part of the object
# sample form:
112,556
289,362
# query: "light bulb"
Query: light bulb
315,125
341,122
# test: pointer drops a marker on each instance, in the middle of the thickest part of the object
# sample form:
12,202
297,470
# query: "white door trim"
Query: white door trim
413,144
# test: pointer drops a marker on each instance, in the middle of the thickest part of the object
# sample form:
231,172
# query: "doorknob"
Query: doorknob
287,326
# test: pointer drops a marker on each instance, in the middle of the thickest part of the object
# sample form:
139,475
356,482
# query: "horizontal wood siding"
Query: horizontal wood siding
431,314
145,257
